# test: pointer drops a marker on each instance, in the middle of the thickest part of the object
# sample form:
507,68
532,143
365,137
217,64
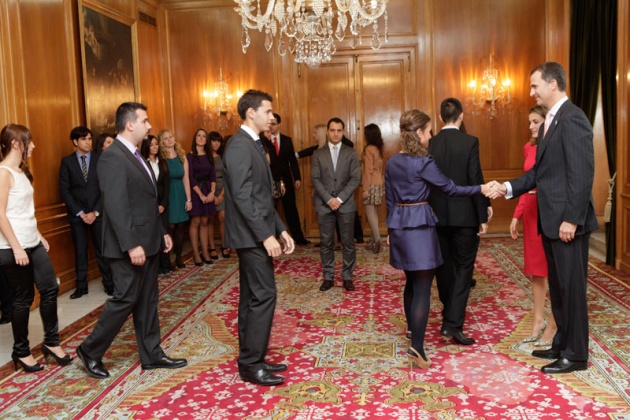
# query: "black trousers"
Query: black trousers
80,232
6,296
256,307
568,268
459,250
135,293
326,232
291,213
38,272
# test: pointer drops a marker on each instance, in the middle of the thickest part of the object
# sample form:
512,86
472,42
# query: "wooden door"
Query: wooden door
360,89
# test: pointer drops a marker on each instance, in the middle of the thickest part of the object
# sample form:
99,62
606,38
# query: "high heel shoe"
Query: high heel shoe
377,247
61,361
27,368
536,337
414,356
408,335
203,260
225,252
213,254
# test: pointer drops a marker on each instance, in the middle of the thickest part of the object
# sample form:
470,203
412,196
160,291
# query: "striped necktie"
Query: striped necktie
84,168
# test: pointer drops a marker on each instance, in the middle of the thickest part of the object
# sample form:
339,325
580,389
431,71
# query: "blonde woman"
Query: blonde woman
180,202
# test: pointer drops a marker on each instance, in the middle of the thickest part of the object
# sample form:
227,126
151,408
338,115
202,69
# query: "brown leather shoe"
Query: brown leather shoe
326,284
348,285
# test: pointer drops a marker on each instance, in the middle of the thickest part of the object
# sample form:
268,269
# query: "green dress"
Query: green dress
177,195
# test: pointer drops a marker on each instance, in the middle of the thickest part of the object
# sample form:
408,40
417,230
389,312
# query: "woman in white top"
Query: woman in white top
24,252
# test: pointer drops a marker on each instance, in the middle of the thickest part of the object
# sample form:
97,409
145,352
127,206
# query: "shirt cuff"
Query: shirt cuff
509,194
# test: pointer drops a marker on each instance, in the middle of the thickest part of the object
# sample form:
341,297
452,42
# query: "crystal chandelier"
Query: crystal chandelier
216,106
305,27
492,92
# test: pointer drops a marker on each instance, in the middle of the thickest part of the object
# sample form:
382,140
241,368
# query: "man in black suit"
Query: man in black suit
289,172
563,175
79,190
460,219
251,227
133,237
336,174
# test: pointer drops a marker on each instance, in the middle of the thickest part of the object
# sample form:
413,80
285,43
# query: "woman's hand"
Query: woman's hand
21,257
188,206
366,195
513,231
218,200
210,197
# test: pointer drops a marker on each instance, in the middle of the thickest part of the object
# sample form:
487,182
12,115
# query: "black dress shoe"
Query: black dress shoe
109,290
550,354
348,285
78,293
326,284
261,377
94,368
360,240
473,283
277,367
5,319
563,365
303,242
458,336
165,363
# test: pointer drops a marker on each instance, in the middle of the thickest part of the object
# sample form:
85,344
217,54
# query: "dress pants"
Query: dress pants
291,213
38,272
256,307
80,232
136,293
568,267
326,231
459,251
6,296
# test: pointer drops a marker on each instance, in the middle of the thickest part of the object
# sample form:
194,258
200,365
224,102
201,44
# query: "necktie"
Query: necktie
142,162
84,168
548,120
260,146
275,143
335,156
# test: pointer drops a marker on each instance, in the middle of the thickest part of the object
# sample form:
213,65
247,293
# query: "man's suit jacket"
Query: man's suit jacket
288,167
457,156
250,215
130,204
329,183
563,174
76,193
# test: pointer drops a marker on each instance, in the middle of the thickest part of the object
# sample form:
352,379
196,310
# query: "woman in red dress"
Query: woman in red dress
534,255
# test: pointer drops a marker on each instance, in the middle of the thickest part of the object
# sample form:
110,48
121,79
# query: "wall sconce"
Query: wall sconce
492,92
217,108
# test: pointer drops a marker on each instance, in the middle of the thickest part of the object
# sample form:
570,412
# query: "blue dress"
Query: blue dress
177,195
410,219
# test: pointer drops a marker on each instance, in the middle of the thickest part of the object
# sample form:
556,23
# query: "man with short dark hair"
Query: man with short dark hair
79,190
251,227
460,219
563,178
336,174
133,236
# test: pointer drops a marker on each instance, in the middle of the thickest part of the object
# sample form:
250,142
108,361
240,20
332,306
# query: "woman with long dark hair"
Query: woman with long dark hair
372,180
217,146
24,252
414,248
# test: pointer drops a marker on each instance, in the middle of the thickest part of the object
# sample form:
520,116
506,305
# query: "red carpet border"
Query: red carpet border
345,351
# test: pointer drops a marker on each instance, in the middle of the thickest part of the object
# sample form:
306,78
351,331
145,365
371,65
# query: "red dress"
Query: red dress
527,211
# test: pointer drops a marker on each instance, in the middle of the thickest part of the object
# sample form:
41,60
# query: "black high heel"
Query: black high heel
225,252
204,261
27,368
61,361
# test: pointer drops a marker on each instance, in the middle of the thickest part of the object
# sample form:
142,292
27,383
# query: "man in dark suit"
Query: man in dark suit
563,175
79,190
289,172
251,227
133,235
336,174
460,219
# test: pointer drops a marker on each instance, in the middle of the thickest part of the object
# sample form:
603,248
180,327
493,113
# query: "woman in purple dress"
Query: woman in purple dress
414,247
203,181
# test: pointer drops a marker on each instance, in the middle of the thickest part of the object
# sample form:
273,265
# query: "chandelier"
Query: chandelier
217,108
305,27
493,93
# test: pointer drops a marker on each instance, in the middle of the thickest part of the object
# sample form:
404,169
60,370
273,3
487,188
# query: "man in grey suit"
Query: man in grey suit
563,175
133,235
251,227
335,174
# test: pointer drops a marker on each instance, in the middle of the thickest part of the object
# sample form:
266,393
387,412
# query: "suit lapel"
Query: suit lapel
542,146
132,159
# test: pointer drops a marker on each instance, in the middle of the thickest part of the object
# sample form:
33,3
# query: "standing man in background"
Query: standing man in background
251,227
289,172
80,192
460,219
336,174
563,176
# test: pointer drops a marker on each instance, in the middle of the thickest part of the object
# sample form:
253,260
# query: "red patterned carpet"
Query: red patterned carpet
346,353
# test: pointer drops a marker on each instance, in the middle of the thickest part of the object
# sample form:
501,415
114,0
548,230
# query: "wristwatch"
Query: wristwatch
96,213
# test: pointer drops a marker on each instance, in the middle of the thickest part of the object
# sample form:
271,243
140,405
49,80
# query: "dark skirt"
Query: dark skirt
414,249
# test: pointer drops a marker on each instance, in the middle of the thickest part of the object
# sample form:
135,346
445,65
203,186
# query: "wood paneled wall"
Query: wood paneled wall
623,138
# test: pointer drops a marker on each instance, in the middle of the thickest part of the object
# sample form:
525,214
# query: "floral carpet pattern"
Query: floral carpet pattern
346,352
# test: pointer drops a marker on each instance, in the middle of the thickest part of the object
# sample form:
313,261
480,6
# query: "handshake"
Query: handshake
493,189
